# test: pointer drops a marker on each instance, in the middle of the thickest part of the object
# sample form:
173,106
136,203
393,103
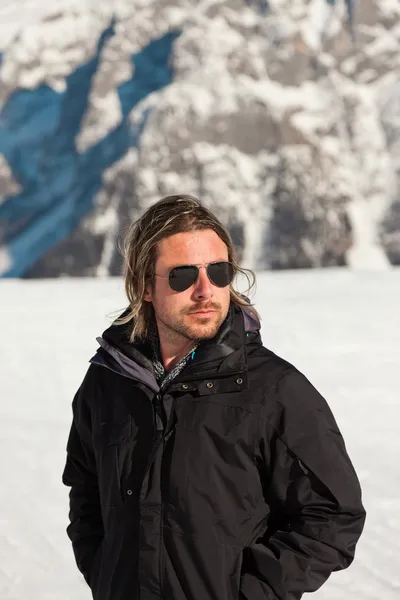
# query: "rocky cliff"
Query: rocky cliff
282,116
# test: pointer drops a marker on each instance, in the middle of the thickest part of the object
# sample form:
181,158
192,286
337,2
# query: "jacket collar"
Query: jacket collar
222,356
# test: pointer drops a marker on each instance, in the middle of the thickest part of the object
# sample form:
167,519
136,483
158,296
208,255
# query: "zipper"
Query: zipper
168,432
162,549
118,470
158,412
157,440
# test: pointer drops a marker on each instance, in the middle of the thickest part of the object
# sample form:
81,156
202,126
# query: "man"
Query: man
202,466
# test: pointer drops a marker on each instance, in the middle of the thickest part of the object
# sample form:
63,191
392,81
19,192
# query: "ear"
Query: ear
148,296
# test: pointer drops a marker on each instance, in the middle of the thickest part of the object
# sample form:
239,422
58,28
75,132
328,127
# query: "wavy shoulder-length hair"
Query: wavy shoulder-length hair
171,215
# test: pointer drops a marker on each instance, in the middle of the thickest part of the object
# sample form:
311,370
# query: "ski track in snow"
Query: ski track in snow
341,328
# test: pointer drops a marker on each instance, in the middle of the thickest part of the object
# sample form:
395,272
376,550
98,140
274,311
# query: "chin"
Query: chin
205,330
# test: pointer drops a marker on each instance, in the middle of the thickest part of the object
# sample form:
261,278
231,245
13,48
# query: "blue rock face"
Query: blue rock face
38,129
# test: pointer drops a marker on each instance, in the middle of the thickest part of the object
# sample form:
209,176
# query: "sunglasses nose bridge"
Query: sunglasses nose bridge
203,282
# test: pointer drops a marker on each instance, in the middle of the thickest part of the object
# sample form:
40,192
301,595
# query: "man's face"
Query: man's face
198,312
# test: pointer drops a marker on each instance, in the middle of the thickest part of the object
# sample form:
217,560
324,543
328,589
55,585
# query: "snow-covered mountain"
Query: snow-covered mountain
283,116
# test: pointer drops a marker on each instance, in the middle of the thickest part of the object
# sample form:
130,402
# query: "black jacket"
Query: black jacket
234,483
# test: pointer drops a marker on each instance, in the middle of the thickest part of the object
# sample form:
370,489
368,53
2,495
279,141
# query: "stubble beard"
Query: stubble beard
200,329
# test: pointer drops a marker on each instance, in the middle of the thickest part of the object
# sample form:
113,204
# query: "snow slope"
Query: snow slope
341,328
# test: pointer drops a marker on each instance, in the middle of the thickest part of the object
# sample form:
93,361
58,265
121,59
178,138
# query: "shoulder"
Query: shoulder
265,364
93,379
282,375
292,404
285,386
96,384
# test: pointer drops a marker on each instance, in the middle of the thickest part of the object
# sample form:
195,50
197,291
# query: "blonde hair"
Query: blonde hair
171,215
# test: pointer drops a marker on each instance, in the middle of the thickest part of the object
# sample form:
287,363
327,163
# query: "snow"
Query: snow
21,15
47,43
366,251
5,260
319,14
341,328
6,174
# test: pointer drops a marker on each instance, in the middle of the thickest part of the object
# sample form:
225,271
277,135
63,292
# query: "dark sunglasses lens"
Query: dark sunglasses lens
220,273
181,278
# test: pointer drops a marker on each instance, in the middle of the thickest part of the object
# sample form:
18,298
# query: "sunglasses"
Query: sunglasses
183,277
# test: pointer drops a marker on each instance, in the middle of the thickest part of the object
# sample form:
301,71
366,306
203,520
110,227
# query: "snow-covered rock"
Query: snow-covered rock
284,121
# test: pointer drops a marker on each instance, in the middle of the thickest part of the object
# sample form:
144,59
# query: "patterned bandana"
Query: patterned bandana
164,377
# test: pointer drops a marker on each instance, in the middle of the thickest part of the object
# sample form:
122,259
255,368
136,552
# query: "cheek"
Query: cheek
226,297
223,297
166,301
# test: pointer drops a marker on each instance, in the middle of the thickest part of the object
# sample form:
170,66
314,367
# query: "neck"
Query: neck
173,347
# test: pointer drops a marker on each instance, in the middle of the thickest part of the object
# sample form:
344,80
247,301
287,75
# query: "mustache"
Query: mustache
198,307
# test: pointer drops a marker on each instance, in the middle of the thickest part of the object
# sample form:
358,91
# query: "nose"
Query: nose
203,288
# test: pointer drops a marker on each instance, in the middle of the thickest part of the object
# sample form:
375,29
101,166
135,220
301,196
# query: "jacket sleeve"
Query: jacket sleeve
312,489
86,526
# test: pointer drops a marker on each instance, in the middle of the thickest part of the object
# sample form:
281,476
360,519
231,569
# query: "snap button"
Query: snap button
239,381
185,386
210,385
129,492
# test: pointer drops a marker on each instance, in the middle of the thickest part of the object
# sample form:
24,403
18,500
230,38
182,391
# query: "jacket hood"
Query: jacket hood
226,352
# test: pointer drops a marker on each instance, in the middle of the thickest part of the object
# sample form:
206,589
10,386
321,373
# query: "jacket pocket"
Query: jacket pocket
117,438
115,433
